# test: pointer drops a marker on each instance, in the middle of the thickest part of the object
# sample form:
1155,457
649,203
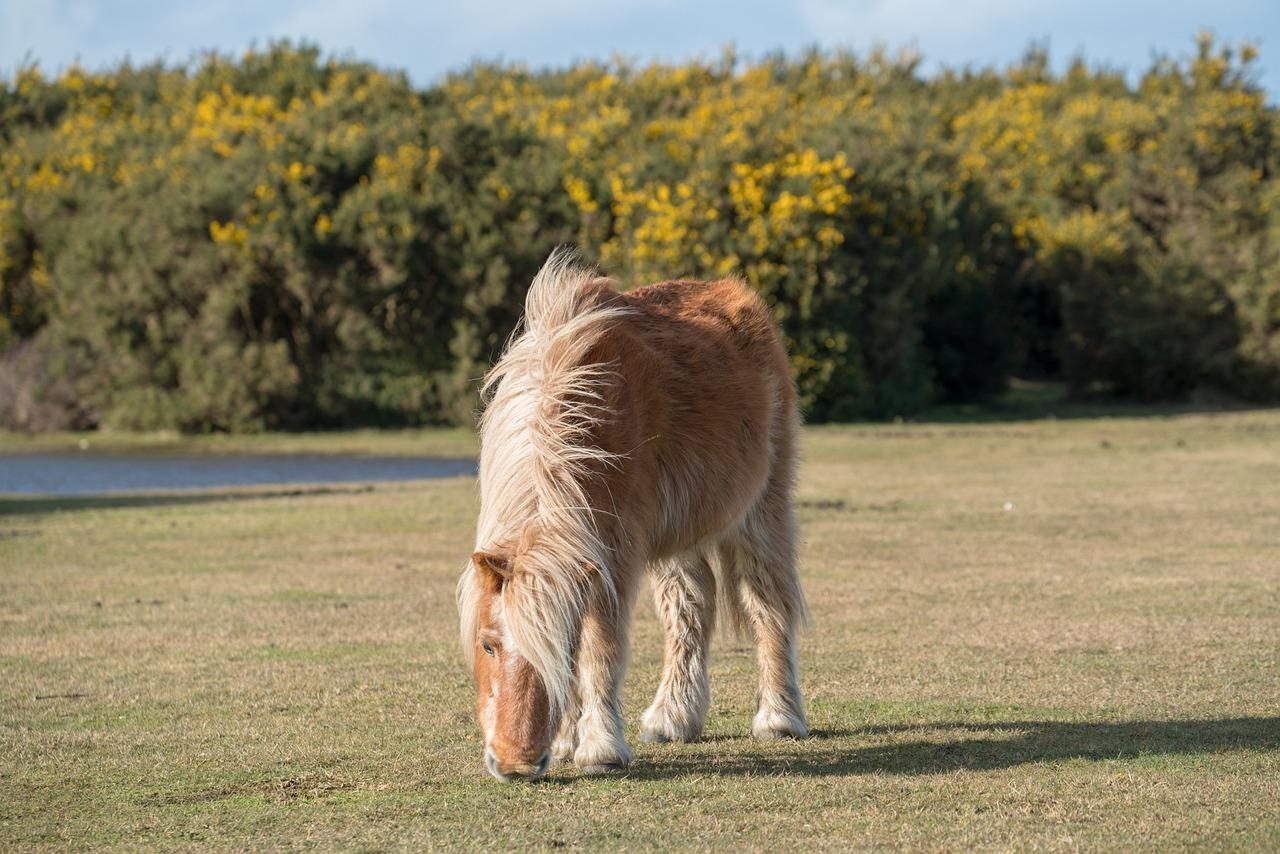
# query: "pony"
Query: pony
624,432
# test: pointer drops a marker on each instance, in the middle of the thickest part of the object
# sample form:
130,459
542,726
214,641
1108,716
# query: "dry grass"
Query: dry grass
1048,635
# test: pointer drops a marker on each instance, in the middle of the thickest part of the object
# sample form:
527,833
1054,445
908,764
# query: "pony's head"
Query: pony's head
520,626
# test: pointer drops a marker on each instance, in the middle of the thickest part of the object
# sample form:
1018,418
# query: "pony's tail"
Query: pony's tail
730,611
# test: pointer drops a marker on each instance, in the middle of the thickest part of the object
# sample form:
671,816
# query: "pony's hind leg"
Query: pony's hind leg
684,593
759,565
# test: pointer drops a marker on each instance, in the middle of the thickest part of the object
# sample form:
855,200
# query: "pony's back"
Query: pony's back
711,413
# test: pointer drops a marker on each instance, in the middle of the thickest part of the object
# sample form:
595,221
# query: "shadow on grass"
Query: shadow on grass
30,505
975,747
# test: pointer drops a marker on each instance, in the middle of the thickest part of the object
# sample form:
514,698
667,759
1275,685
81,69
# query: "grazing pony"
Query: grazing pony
654,428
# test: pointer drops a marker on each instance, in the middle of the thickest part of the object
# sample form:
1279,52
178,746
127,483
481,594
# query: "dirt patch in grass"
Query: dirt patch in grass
286,790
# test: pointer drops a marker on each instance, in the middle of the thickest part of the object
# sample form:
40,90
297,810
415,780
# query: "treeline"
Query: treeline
284,241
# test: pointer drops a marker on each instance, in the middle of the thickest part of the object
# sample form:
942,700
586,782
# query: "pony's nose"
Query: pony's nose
506,772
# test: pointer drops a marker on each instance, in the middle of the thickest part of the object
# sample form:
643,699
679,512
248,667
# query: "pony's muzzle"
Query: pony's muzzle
506,772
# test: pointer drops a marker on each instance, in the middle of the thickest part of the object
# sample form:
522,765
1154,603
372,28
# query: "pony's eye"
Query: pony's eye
488,648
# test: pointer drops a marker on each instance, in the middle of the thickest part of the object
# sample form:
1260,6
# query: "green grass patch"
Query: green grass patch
1037,635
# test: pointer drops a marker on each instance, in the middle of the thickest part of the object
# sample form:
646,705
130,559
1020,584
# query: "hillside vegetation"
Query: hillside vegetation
285,241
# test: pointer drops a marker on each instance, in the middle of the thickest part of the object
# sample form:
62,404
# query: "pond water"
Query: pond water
74,473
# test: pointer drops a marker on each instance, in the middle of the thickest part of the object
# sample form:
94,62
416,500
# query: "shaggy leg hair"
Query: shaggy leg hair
566,740
759,561
602,662
684,594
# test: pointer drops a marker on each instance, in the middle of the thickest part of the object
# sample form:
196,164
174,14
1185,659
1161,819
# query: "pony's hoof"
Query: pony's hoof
657,726
668,735
769,726
562,749
775,734
602,758
604,768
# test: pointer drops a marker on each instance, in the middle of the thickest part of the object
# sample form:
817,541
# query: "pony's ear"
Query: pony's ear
494,567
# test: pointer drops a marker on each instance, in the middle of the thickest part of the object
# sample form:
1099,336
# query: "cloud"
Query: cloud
31,29
449,35
899,22
994,32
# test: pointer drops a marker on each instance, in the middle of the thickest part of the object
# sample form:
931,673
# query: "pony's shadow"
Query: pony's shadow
971,746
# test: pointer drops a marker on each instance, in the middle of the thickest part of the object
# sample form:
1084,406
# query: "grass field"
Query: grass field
1033,635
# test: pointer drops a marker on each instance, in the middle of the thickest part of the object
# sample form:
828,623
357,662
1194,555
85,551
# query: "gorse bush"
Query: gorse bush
286,241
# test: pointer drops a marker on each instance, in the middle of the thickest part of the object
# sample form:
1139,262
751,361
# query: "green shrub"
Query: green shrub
284,241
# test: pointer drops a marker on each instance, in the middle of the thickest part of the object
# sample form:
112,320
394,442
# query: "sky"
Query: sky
428,39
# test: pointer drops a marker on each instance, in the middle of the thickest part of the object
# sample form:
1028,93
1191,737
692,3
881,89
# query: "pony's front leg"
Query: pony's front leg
602,662
566,740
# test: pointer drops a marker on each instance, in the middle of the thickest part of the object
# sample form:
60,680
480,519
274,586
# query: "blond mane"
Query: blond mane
543,400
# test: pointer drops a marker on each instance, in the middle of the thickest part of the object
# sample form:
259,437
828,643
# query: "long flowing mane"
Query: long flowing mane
544,397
